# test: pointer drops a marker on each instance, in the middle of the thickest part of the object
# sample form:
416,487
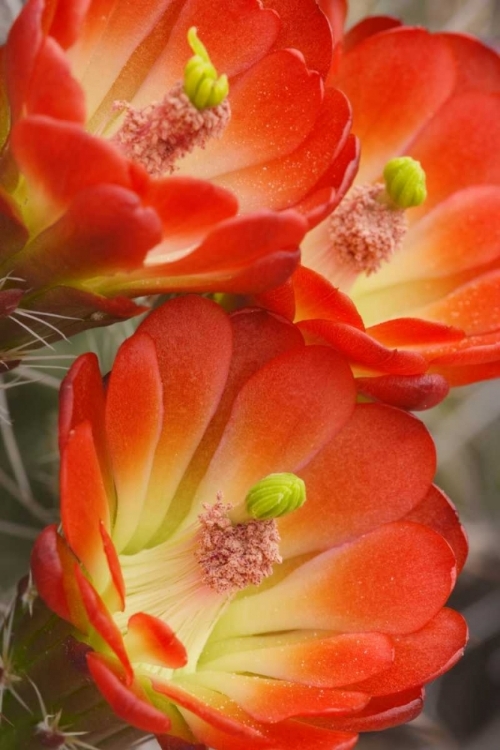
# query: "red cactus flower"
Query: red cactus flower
176,567
434,293
123,173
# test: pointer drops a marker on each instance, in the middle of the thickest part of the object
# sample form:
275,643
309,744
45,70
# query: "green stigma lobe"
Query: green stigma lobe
276,495
202,85
405,182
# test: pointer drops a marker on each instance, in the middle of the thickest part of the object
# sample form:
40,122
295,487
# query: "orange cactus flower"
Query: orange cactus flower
211,617
429,289
130,166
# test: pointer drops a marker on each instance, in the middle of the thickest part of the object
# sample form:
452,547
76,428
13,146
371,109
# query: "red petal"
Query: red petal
188,207
84,502
305,28
63,19
128,703
375,470
284,181
282,416
81,398
362,349
271,701
105,230
366,28
244,255
411,74
328,661
315,297
382,713
216,709
475,306
462,126
134,422
149,639
281,99
117,583
477,66
422,656
436,511
52,563
393,580
102,622
192,336
21,51
53,90
258,337
64,159
412,392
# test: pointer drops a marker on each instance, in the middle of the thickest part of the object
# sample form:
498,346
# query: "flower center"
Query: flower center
369,225
364,230
161,133
189,115
234,557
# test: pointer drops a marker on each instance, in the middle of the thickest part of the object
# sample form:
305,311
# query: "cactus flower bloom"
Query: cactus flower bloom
428,302
218,608
128,169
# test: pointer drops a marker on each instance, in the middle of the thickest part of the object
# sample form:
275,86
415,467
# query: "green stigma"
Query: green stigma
405,182
201,83
276,495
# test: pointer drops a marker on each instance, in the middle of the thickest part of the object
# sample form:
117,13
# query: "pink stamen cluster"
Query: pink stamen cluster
365,230
233,557
163,132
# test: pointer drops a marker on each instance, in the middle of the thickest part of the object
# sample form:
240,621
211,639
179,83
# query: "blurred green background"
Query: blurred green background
463,708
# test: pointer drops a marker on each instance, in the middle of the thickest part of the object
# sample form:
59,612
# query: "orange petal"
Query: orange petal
149,639
322,661
375,470
192,337
422,656
52,563
134,421
271,701
84,502
128,702
411,74
412,392
392,580
381,713
102,622
362,349
282,416
438,512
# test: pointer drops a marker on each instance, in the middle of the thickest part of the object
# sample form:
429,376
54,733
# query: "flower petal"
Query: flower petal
243,255
375,470
104,231
271,701
282,416
126,701
102,622
362,349
411,74
133,429
52,563
149,639
438,512
393,580
381,713
193,341
84,502
323,661
412,392
422,656
282,100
